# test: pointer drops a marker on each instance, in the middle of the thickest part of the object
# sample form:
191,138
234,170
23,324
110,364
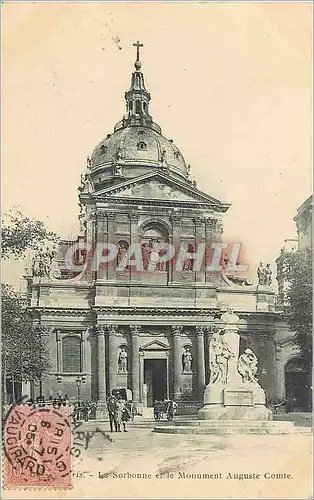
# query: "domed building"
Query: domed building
140,320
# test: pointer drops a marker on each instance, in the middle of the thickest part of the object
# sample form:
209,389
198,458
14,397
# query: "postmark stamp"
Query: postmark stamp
37,444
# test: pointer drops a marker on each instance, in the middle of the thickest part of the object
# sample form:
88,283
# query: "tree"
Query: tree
24,355
22,233
297,268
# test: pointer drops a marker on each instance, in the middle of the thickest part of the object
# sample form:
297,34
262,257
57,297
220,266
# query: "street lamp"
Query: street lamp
79,380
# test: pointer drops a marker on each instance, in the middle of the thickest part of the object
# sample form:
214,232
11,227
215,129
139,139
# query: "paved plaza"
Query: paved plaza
144,464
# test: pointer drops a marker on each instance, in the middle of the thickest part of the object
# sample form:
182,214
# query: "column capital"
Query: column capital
200,330
99,330
112,329
177,329
175,218
135,329
134,217
199,220
111,215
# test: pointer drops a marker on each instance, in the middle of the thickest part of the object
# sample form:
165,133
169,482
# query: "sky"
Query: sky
230,84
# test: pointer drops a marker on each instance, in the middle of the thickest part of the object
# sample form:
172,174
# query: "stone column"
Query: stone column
102,237
111,239
134,218
268,364
200,362
177,361
199,273
174,275
90,241
135,363
141,355
101,363
112,357
280,374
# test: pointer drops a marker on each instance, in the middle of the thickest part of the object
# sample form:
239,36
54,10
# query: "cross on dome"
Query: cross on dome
137,63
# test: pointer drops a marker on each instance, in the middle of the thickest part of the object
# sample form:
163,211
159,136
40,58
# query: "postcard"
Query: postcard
157,250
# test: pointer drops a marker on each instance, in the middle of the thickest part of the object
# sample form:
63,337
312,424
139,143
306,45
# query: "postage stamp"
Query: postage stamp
37,445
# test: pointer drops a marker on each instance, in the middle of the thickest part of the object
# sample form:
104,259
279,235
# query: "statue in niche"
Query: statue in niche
187,360
161,253
219,355
247,366
122,257
146,249
187,264
123,360
268,275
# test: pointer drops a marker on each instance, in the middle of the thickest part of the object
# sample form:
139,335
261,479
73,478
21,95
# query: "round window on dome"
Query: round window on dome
141,146
103,149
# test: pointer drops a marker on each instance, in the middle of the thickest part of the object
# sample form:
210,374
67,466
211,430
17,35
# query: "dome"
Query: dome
136,146
138,149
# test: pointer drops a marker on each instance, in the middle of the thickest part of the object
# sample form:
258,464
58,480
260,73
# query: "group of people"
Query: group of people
119,414
167,406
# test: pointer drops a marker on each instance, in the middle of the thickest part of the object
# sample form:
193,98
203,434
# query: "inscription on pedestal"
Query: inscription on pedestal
238,398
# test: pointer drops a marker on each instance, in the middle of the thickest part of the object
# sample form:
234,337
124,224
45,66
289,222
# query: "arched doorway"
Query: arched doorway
298,383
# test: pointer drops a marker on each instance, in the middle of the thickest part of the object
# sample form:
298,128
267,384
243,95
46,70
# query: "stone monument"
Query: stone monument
233,392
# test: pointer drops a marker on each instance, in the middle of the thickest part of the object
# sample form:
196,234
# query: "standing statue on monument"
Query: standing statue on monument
268,275
261,274
219,355
247,366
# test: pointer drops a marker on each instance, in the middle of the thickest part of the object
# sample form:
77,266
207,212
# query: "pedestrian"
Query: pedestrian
112,410
171,409
122,413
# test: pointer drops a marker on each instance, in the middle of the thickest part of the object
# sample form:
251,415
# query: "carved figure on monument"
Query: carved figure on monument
261,274
187,360
36,266
219,355
123,360
247,366
42,262
268,275
230,318
164,157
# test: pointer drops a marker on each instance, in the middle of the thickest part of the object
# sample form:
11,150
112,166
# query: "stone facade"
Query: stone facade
140,191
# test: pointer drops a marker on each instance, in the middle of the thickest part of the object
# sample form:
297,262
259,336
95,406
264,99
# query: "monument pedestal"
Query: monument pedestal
241,401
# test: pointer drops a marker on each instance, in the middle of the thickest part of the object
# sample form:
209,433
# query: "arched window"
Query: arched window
138,107
71,354
141,146
103,149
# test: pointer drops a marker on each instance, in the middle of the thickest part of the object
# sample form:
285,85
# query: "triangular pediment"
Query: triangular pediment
158,186
155,345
